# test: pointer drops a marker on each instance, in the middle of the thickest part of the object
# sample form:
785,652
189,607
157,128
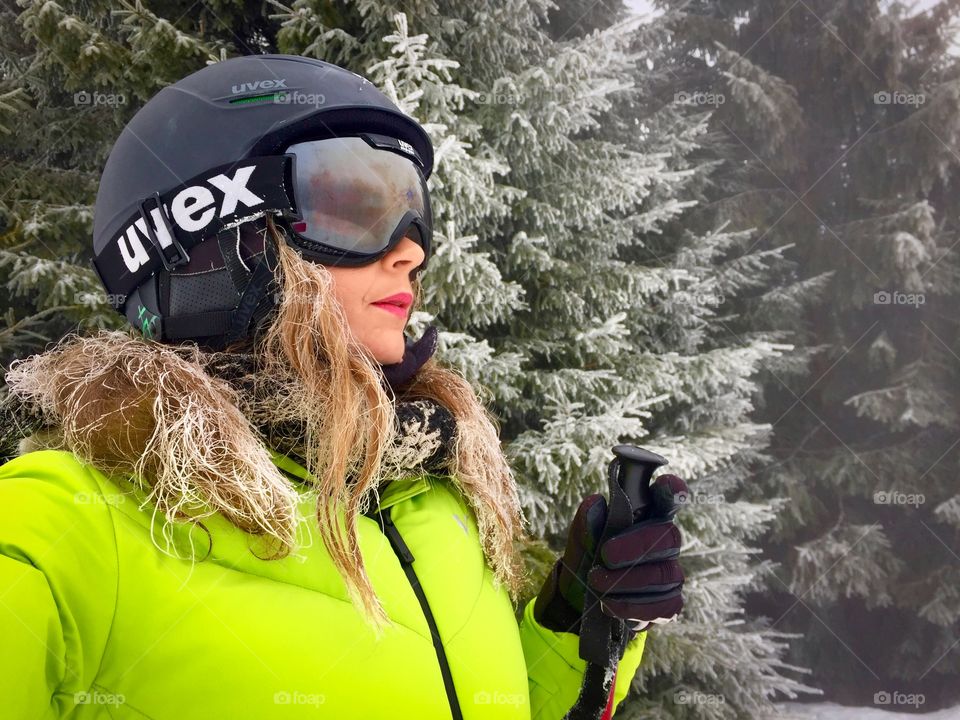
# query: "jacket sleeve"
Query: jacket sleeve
58,581
555,668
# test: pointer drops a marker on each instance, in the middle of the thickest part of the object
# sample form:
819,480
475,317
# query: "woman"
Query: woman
272,505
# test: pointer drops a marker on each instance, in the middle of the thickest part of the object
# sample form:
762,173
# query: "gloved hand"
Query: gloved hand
635,573
415,354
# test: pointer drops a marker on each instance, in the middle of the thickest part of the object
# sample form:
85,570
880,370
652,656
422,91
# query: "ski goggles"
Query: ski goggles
346,201
356,198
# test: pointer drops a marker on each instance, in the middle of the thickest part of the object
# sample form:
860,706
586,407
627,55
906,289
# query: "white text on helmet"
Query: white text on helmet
192,209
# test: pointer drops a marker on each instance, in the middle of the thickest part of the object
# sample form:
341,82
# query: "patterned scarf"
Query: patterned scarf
426,429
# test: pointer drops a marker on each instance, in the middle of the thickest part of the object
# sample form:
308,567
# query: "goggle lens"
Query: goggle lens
353,197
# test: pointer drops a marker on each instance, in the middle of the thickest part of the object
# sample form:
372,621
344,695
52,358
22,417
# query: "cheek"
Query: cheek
350,287
363,318
347,288
353,309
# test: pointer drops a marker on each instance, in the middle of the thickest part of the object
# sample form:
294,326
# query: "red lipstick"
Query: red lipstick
398,303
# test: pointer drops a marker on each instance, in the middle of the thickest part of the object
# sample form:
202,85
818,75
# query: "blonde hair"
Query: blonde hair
133,406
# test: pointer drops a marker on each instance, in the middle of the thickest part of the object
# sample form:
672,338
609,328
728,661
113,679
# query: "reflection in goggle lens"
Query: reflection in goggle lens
352,196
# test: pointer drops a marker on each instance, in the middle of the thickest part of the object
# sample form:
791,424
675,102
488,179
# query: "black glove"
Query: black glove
636,574
415,354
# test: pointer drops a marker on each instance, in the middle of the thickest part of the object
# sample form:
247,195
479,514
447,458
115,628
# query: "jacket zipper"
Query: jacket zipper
406,560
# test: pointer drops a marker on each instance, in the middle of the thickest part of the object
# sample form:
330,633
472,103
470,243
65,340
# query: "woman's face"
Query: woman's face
358,288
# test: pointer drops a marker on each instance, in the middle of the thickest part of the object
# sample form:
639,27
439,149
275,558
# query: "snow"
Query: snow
832,711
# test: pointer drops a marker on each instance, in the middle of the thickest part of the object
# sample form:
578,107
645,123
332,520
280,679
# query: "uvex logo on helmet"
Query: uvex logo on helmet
192,209
259,85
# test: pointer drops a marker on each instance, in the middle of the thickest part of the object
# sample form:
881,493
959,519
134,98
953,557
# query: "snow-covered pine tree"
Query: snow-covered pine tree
612,327
563,281
839,135
71,75
720,319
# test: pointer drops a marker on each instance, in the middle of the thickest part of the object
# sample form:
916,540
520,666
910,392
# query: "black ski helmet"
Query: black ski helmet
178,153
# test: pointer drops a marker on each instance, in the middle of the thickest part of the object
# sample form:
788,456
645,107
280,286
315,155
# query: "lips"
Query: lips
398,304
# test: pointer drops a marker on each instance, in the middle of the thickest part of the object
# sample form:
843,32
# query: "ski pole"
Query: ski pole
604,638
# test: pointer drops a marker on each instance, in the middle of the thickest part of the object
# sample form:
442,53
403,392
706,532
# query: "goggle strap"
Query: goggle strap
188,214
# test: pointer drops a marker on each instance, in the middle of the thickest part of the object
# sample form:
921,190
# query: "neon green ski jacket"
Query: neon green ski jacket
97,622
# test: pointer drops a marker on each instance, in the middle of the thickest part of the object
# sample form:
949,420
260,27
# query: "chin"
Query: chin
391,355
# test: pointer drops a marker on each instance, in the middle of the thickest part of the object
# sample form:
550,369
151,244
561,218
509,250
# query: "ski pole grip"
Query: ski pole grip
629,494
636,469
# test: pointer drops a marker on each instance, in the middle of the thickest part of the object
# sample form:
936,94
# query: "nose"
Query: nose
406,253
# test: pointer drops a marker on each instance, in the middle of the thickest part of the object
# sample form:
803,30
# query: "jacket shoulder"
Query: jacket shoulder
58,467
47,495
60,474
57,529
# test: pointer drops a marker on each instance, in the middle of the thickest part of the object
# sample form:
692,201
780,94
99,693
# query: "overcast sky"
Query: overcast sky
646,6
640,6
